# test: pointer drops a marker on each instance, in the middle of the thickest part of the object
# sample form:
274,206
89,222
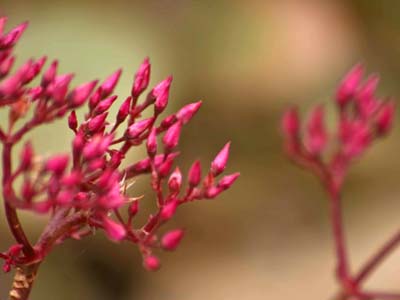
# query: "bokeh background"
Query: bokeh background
269,236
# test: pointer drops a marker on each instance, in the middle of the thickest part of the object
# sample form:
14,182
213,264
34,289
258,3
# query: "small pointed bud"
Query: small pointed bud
168,210
105,104
316,136
151,263
195,174
80,94
97,146
57,164
368,89
349,85
175,181
13,36
78,144
115,231
6,66
212,192
133,208
109,84
10,85
142,78
123,111
34,70
151,143
384,119
219,163
161,94
165,167
6,267
26,156
171,240
138,128
355,136
168,122
60,87
186,113
72,121
227,181
27,191
95,99
50,74
36,92
116,159
97,123
171,137
291,123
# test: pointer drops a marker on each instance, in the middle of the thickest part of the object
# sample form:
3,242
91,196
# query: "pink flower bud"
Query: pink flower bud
133,208
356,137
34,70
10,85
50,74
142,77
26,156
116,159
186,113
195,174
72,121
27,191
97,146
97,123
57,164
138,128
291,124
171,240
169,209
349,85
109,84
6,66
212,192
171,137
123,111
95,99
316,137
219,163
151,144
161,94
168,122
115,231
227,181
60,87
151,263
175,181
104,105
80,94
366,101
165,167
13,36
384,119
78,144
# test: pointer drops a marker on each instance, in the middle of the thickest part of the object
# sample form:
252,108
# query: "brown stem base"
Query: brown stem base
23,281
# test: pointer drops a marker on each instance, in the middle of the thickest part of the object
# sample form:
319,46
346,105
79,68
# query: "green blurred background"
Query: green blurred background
269,236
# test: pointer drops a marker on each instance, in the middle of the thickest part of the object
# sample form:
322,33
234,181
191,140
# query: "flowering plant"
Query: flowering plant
86,189
362,119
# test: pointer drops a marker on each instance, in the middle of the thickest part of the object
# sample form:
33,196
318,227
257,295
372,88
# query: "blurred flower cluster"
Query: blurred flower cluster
87,188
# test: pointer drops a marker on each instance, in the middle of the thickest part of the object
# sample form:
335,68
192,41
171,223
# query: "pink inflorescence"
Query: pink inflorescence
362,118
86,189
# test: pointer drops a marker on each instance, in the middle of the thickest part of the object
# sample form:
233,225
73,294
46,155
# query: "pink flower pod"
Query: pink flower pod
175,181
60,87
195,174
151,144
133,208
72,121
50,74
116,158
219,163
291,124
13,36
316,136
57,164
171,240
212,192
26,156
356,137
366,101
97,123
114,231
384,119
138,128
27,190
142,78
349,85
6,65
109,84
95,99
169,209
34,70
171,137
165,167
151,263
80,94
186,113
161,94
123,111
36,92
78,144
10,85
97,146
227,181
168,121
104,105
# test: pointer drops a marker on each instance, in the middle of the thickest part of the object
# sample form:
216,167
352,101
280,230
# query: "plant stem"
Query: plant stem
23,281
377,258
